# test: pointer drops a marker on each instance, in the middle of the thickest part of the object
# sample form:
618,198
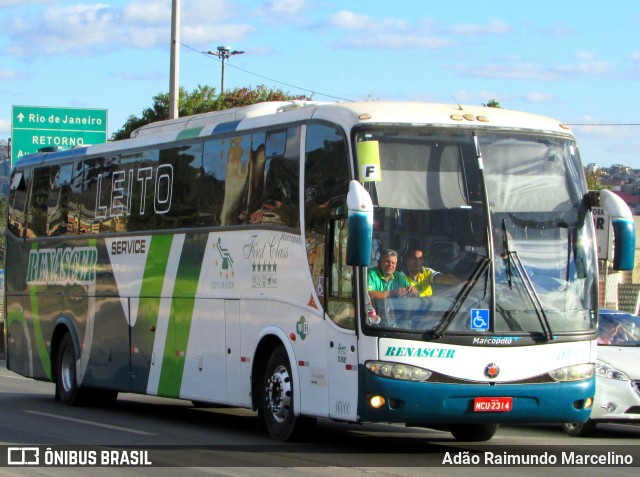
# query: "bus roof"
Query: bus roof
281,112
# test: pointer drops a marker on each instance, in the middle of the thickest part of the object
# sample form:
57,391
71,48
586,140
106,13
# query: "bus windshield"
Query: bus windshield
488,233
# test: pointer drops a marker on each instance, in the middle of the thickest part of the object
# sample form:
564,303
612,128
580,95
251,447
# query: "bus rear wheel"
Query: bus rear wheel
473,432
67,389
276,403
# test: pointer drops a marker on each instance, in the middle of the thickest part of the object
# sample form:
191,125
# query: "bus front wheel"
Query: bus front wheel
276,405
67,389
473,432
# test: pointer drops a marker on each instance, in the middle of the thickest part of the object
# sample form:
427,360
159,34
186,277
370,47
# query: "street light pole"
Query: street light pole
224,53
174,81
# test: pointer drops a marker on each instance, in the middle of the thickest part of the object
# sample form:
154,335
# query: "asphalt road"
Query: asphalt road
177,438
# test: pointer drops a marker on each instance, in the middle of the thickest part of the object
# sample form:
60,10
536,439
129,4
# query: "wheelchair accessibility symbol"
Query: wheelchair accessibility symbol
479,319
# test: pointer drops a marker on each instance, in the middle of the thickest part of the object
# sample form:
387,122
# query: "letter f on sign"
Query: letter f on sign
370,172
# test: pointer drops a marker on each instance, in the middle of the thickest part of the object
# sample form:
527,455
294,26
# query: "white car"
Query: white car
617,396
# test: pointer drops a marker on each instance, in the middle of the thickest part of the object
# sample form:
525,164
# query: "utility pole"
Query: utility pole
174,82
224,53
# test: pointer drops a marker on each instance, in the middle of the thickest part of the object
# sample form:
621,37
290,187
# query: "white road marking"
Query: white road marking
92,423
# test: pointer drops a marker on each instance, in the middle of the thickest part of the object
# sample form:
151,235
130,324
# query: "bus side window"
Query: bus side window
340,303
40,189
75,191
257,165
278,203
96,200
135,210
59,203
211,184
178,199
236,152
326,177
18,195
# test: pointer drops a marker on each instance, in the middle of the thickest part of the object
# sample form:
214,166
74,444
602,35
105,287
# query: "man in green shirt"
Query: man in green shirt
384,281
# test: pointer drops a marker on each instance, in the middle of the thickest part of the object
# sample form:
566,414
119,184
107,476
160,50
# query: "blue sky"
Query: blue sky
575,60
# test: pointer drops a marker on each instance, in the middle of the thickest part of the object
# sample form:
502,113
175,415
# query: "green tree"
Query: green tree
492,103
202,99
593,178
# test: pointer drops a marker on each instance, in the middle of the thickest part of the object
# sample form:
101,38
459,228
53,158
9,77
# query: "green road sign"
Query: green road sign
37,127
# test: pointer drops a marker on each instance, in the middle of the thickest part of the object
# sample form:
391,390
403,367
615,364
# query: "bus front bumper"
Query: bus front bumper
424,402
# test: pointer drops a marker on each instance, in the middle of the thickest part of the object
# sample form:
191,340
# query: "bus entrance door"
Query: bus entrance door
343,375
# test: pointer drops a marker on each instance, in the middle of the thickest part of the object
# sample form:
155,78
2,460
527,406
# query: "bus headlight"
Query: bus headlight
577,372
405,372
605,370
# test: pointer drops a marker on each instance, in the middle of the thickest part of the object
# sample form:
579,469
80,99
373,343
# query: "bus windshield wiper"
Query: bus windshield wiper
511,255
505,254
481,267
533,295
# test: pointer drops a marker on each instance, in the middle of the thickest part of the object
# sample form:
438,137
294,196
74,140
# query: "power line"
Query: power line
603,124
270,79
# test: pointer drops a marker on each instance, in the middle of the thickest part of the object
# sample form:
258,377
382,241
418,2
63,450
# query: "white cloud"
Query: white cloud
64,29
11,75
531,71
584,55
388,33
351,21
5,127
227,33
88,28
494,27
286,7
515,71
537,97
12,3
587,67
347,20
151,12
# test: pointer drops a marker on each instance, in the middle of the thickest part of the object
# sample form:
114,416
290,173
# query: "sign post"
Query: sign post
37,127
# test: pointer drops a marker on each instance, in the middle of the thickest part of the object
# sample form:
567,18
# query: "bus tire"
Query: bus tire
276,404
473,432
67,389
579,429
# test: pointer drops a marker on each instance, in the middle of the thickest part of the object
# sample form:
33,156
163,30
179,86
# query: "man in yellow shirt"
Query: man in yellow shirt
420,277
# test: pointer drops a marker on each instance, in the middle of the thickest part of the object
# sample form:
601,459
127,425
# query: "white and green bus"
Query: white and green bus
223,259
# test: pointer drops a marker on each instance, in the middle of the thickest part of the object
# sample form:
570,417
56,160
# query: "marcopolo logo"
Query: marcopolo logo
62,266
495,340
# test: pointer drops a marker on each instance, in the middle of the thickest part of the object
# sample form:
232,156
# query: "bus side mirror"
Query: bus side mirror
360,225
624,231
